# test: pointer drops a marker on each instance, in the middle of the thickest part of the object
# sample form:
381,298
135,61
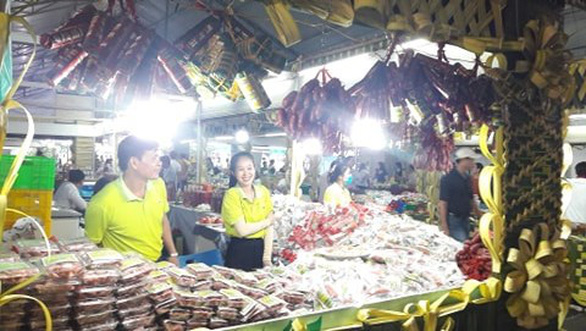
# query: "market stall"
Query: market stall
356,266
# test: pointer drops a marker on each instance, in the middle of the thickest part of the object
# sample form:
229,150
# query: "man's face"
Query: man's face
467,164
149,165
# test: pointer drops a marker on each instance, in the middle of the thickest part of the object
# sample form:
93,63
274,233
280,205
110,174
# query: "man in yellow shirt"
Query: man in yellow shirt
129,214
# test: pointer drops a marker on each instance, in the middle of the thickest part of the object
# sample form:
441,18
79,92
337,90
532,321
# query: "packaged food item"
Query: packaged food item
134,268
12,325
245,278
159,276
11,314
102,258
164,265
219,282
28,248
9,257
268,285
292,297
164,307
182,277
210,298
202,313
134,301
216,323
62,310
59,323
145,308
62,266
252,292
15,272
187,299
95,318
46,285
227,313
272,303
160,292
130,290
95,292
251,309
55,299
136,322
195,324
261,274
180,314
94,306
97,277
200,270
108,325
75,245
171,325
201,286
234,299
225,272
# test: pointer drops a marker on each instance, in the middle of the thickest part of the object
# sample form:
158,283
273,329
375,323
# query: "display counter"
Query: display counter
197,237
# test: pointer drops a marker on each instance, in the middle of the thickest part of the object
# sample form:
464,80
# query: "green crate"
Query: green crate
36,172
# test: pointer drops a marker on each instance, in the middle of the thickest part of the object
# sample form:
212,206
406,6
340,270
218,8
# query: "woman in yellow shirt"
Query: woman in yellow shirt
247,212
337,194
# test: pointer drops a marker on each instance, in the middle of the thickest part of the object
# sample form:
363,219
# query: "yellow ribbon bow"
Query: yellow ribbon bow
538,282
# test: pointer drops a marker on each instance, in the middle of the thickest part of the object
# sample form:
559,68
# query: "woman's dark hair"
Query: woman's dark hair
234,162
581,169
76,176
338,170
102,182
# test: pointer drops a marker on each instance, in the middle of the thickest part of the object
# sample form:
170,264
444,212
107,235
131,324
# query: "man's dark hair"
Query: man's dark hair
133,146
581,169
76,176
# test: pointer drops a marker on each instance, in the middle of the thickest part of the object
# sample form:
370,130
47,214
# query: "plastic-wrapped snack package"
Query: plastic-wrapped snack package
130,290
136,322
180,314
171,325
188,300
34,248
210,298
202,286
164,307
219,282
59,323
13,312
95,318
9,257
102,258
227,313
135,268
272,303
234,299
252,292
61,310
12,325
75,245
250,309
100,277
46,286
195,324
269,285
94,306
158,276
200,270
292,297
108,325
133,301
216,323
202,313
164,265
261,274
225,272
182,277
62,266
54,299
89,292
12,273
143,309
245,278
160,292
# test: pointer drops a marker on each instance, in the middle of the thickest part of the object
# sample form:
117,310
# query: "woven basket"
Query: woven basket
577,254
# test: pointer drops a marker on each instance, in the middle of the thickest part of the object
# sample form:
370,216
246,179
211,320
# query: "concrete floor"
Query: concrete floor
576,320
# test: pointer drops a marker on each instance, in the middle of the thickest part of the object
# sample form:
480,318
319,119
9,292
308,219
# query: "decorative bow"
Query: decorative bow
538,282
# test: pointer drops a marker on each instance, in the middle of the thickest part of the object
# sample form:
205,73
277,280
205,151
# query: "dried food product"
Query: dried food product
134,323
272,303
219,282
95,318
48,286
133,301
102,258
210,298
108,325
61,310
97,277
94,306
134,268
9,257
188,299
130,290
182,277
227,313
159,276
160,292
216,323
292,297
143,309
203,285
196,323
59,323
15,272
200,270
164,307
35,248
245,278
12,325
62,266
95,292
180,314
164,265
252,292
268,285
171,325
202,313
225,272
82,244
234,298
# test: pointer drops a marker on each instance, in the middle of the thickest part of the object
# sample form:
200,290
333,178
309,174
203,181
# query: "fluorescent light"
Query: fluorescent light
276,134
242,137
223,138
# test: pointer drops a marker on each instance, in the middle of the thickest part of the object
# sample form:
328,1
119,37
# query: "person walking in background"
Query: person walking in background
272,169
456,198
169,175
381,174
360,179
184,173
67,195
576,211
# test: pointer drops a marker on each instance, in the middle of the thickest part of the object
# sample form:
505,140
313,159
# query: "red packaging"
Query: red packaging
62,38
95,32
34,248
67,60
99,277
62,266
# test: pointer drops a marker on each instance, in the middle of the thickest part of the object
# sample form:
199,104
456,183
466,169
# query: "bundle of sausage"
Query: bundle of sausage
474,259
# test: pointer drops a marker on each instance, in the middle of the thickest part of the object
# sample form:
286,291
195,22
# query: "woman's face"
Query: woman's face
244,171
346,175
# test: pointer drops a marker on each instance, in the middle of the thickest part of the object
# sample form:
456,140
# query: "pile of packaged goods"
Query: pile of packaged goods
411,204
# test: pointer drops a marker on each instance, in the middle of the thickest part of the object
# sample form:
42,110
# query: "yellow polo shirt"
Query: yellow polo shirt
236,207
117,219
337,195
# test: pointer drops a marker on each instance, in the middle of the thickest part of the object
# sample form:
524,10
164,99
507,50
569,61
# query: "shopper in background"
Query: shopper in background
264,169
67,195
247,212
337,194
108,168
576,211
476,178
272,169
360,179
456,199
398,172
411,179
130,214
381,174
183,175
170,175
